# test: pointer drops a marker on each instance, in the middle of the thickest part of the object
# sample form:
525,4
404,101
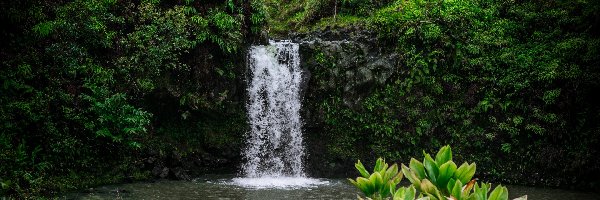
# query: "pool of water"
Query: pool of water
228,188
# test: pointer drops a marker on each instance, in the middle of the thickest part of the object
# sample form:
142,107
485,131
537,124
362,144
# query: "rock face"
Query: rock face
176,166
352,60
341,63
352,64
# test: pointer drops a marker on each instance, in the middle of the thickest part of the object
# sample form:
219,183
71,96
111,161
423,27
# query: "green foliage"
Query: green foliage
405,193
116,119
21,181
496,79
164,36
309,15
228,31
76,78
437,179
379,184
259,16
43,29
441,179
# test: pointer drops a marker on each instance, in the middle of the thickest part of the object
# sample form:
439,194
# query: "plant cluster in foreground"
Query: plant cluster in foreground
432,179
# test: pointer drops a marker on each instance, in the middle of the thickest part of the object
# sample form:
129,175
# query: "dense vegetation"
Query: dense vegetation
91,88
508,83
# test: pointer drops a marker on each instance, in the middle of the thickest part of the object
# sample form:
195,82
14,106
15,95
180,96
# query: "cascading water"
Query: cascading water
274,149
275,142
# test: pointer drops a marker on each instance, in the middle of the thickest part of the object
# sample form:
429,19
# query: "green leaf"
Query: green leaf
465,172
365,186
391,172
380,165
428,188
136,145
431,168
480,192
410,193
411,176
417,167
450,185
444,155
399,194
446,172
396,179
361,169
500,193
376,180
405,193
231,5
391,179
456,190
353,182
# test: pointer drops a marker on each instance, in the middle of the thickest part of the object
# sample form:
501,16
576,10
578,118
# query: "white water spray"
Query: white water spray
275,146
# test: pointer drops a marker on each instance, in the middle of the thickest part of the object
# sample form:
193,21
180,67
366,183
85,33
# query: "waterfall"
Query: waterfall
274,144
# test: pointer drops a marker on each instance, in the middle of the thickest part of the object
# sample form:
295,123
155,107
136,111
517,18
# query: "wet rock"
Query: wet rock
180,174
353,61
162,173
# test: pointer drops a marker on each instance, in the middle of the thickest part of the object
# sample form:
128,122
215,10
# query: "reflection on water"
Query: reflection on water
223,188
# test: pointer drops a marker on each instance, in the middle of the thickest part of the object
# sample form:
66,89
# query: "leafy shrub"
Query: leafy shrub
380,183
441,179
437,179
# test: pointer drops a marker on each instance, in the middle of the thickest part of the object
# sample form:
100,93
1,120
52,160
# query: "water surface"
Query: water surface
226,188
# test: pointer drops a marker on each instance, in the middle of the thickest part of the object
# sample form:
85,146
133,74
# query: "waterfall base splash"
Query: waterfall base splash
278,182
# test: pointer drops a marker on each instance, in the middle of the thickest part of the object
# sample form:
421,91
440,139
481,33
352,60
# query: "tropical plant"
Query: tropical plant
441,179
379,184
437,173
438,179
405,193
